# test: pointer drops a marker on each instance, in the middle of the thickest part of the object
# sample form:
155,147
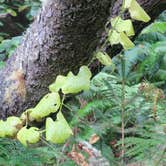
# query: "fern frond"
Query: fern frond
12,153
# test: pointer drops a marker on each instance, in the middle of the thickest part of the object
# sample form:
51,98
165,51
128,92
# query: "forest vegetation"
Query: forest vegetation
82,83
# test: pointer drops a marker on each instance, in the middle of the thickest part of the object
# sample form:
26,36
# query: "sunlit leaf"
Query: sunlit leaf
57,131
136,11
72,83
125,41
48,104
60,80
12,12
9,128
30,135
116,38
22,8
104,58
2,129
123,26
127,4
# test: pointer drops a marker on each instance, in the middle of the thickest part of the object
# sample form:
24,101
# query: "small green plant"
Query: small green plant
56,132
7,47
12,153
14,7
113,109
69,84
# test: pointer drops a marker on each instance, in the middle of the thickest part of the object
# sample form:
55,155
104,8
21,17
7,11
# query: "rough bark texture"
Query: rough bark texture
62,38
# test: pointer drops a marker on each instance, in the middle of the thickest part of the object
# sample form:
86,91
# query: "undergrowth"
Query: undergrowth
96,114
145,105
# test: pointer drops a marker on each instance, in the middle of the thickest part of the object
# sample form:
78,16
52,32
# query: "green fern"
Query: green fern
155,27
143,148
12,153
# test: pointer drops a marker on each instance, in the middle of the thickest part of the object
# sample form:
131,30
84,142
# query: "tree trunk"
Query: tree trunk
62,38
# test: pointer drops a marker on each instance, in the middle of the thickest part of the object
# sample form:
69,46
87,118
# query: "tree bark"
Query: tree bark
62,38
